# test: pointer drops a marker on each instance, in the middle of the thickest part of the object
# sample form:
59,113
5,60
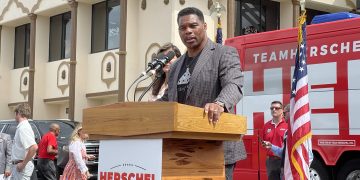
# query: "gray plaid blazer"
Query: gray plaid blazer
216,76
5,152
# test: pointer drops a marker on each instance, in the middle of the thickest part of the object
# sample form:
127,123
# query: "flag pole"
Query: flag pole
298,153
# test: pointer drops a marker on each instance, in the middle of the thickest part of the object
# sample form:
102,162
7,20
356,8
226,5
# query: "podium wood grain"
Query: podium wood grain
189,159
192,148
159,119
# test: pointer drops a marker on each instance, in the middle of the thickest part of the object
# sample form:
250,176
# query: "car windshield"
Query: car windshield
65,129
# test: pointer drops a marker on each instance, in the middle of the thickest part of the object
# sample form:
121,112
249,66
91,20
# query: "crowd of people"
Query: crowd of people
16,156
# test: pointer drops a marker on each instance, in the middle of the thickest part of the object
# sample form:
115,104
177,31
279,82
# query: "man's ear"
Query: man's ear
205,26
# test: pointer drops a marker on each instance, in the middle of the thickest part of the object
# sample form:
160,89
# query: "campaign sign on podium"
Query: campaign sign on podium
130,159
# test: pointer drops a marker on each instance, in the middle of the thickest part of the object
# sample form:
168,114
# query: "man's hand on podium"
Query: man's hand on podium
213,110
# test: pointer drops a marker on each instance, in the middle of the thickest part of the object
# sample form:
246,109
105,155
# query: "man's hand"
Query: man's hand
7,173
20,166
266,144
213,111
91,157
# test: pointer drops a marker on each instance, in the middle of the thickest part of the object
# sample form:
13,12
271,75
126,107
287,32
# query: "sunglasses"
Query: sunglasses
275,108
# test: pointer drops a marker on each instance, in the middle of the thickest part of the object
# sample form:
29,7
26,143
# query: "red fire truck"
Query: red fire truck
333,55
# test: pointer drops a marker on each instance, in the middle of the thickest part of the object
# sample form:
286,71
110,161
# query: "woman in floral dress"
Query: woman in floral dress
76,168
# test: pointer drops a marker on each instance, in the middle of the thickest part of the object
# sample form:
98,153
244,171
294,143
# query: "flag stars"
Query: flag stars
301,69
293,91
303,62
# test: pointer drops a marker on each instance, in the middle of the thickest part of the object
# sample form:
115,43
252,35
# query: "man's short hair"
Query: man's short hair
277,102
23,110
189,11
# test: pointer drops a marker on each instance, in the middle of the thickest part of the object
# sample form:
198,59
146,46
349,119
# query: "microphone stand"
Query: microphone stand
137,84
150,66
157,77
127,92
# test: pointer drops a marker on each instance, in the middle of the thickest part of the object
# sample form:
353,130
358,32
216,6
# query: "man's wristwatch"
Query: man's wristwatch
220,104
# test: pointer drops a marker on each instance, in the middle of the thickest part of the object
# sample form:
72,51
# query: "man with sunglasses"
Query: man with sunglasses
273,132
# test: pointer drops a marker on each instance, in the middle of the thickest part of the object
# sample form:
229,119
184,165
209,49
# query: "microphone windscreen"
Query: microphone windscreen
170,54
160,56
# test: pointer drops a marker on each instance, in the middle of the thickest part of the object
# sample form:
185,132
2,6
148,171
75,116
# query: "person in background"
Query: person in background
161,85
273,132
76,167
5,154
25,147
208,76
48,149
280,151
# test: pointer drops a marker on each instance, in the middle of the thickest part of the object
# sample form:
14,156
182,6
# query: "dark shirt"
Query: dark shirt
184,76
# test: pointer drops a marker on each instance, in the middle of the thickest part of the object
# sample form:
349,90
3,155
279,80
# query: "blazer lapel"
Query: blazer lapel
203,59
173,92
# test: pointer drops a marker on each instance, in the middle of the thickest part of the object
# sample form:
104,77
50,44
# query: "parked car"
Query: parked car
40,127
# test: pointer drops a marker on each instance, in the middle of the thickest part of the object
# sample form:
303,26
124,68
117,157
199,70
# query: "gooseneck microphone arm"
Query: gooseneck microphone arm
157,64
157,77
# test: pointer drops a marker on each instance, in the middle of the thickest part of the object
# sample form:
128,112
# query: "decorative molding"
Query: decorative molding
58,99
122,47
143,4
108,77
210,3
15,104
6,8
231,11
0,40
62,77
27,10
182,2
296,12
100,94
32,16
296,2
73,3
24,83
121,53
151,49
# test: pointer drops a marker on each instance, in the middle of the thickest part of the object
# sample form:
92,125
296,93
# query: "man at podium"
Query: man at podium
209,76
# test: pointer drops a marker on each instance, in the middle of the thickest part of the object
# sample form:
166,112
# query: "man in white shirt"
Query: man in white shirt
25,147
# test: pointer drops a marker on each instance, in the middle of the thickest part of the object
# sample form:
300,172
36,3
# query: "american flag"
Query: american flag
298,151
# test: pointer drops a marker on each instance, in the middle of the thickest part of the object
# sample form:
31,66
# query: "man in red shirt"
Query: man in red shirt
273,132
48,149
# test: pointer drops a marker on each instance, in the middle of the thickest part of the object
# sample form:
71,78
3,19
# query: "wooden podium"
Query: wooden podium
192,148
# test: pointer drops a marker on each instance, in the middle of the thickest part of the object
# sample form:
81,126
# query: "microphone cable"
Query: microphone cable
137,84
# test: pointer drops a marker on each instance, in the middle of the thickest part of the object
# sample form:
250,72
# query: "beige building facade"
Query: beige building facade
62,56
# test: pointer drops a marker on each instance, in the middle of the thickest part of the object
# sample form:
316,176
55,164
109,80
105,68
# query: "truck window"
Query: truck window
2,127
11,130
36,133
65,129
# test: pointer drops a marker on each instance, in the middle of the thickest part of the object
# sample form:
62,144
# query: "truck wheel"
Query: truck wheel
318,170
350,170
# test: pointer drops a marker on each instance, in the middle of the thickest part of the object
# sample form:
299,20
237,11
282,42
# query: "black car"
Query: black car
41,127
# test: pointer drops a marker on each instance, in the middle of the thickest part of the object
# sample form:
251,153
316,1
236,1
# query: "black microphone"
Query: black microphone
164,60
159,62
